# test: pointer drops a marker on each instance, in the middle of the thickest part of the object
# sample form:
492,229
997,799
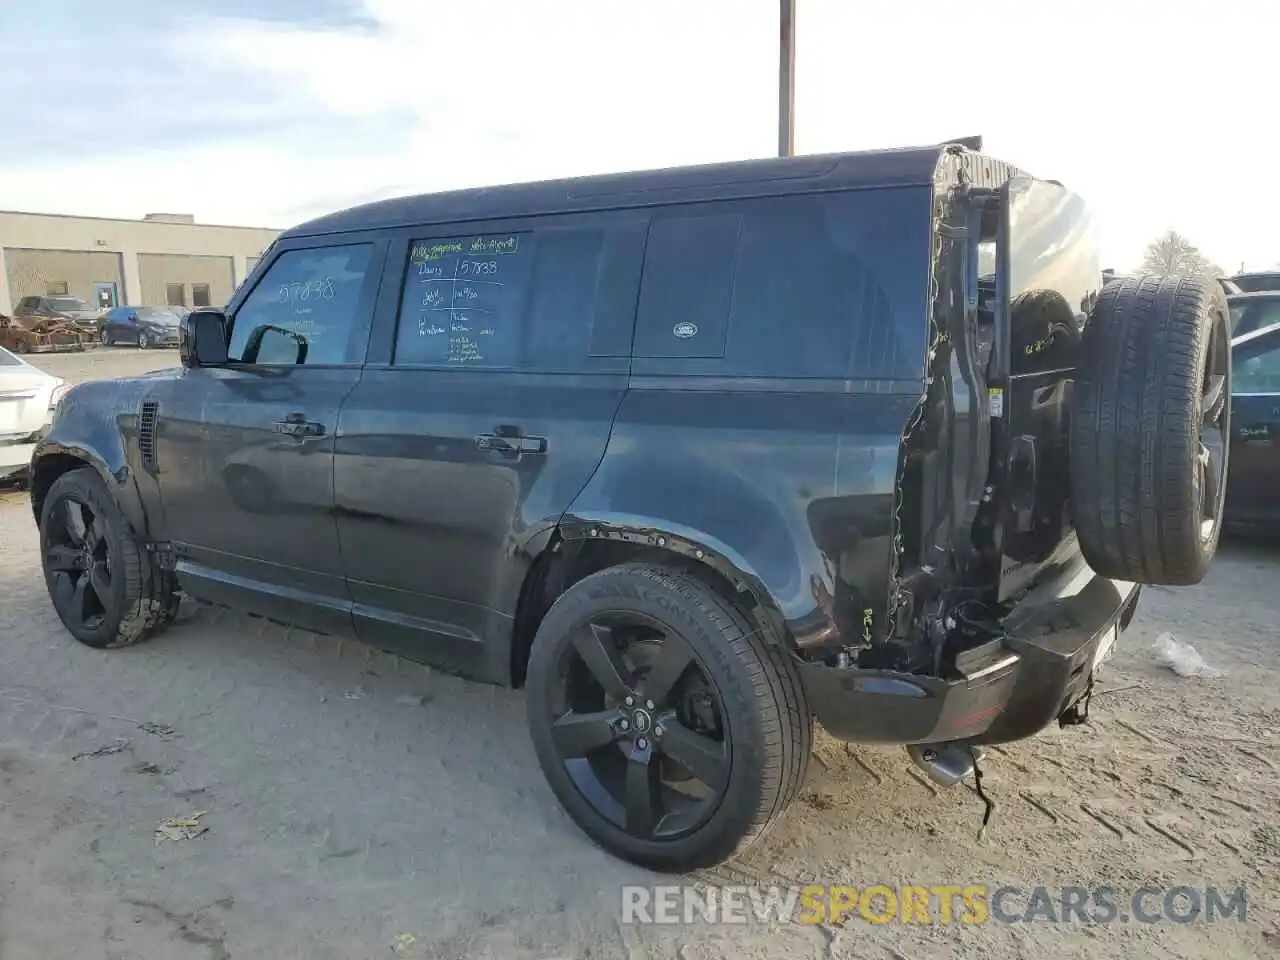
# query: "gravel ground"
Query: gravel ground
352,799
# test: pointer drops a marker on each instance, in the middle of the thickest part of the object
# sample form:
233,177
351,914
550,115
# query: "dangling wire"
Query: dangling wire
982,795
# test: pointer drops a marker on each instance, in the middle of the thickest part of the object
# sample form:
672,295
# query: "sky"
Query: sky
269,112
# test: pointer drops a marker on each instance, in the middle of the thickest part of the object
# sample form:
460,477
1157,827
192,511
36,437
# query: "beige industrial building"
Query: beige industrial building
158,260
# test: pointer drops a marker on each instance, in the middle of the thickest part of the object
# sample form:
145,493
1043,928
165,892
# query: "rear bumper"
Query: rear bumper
1009,688
15,457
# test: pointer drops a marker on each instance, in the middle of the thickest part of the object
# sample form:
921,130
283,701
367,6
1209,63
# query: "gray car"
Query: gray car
143,326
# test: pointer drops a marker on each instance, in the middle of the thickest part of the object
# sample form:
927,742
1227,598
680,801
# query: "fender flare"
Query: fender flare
696,547
120,482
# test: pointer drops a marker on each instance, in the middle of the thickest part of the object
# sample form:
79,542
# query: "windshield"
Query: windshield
67,304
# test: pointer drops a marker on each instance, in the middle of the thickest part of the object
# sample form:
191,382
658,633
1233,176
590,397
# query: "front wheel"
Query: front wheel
104,338
143,341
100,579
670,729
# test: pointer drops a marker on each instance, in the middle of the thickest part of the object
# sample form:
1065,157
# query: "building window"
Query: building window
56,288
176,294
200,295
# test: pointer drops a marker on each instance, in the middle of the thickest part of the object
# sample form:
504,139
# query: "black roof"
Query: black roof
914,166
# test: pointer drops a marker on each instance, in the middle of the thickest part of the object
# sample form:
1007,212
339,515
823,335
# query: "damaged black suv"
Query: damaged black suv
699,457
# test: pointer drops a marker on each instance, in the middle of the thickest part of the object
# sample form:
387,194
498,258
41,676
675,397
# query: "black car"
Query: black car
1257,282
1253,483
144,326
696,456
1253,311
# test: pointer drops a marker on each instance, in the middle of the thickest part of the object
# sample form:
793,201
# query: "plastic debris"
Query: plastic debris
356,694
181,828
1182,658
104,751
411,699
402,943
162,730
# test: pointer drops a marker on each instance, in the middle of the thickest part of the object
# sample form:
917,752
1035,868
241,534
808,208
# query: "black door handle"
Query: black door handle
511,446
295,426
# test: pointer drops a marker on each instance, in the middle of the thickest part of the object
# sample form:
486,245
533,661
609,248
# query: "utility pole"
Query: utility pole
787,80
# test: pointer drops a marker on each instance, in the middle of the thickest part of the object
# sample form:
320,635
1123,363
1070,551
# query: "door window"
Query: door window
558,298
307,308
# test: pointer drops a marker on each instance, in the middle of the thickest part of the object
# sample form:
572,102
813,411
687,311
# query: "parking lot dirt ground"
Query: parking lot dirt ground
359,806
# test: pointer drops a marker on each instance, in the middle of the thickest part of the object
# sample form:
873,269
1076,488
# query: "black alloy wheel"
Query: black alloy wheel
78,564
101,579
670,725
639,727
1215,420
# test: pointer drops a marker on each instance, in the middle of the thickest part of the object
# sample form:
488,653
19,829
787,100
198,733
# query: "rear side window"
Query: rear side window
829,286
557,297
308,307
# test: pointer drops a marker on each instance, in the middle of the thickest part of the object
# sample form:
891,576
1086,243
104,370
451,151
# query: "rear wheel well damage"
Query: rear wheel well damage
566,561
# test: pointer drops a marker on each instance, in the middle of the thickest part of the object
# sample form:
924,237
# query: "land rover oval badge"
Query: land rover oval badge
685,330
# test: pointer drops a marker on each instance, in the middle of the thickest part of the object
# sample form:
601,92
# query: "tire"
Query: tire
143,341
23,347
767,727
1150,420
104,337
139,597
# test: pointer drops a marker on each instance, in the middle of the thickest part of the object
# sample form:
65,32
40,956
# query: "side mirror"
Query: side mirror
275,345
203,341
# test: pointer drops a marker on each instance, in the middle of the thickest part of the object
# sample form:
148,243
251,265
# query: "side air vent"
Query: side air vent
147,434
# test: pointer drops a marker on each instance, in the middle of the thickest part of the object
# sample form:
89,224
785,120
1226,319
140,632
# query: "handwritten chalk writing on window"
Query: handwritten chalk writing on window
463,300
320,289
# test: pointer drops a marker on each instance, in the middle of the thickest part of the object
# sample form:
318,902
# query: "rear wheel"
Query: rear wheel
101,581
1150,423
672,732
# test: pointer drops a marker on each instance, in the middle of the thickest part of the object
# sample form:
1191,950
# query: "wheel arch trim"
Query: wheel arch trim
50,462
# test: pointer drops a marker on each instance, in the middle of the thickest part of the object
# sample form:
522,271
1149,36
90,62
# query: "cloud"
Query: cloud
270,111
239,110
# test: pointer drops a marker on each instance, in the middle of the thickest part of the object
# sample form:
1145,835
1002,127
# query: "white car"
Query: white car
28,398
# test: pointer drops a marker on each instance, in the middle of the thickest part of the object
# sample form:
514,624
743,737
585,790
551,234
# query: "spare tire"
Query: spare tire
1150,418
